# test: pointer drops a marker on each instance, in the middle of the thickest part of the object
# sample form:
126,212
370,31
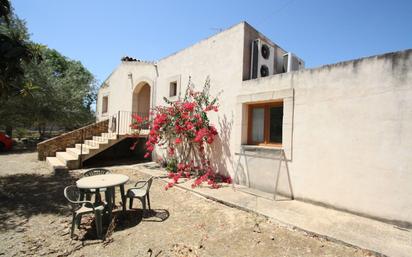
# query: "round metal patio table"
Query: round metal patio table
109,181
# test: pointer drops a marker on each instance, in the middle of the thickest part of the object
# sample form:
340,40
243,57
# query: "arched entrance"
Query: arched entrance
141,99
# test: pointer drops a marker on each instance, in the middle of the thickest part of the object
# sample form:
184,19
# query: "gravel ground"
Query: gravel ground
35,221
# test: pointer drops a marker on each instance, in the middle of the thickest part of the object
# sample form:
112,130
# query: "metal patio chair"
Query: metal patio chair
72,194
140,191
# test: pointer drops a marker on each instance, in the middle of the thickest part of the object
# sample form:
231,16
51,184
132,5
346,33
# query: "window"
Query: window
173,88
265,123
105,104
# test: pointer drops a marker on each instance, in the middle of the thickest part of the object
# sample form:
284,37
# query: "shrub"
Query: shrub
184,130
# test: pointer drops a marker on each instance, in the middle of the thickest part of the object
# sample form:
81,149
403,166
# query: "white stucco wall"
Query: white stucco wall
352,134
347,128
221,58
119,86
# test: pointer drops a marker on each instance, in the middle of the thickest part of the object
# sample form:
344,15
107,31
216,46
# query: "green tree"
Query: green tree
15,51
64,95
39,87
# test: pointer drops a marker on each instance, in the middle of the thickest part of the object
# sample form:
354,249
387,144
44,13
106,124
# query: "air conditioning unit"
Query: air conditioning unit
263,59
291,62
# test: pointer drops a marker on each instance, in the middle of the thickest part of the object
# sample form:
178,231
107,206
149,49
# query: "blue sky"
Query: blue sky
100,32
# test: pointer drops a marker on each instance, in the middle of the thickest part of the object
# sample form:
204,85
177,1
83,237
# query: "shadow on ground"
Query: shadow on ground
122,221
26,195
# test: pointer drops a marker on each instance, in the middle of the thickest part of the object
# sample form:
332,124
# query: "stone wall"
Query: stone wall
60,143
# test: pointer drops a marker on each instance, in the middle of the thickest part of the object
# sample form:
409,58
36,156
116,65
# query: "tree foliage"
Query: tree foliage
39,87
65,91
15,51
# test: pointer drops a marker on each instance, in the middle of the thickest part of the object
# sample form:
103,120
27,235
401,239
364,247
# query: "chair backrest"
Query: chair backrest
72,194
97,171
149,183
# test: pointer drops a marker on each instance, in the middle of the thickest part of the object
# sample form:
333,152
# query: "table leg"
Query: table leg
98,197
123,197
114,196
108,196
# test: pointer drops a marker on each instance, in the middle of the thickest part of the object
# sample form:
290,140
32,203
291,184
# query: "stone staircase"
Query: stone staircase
69,150
71,158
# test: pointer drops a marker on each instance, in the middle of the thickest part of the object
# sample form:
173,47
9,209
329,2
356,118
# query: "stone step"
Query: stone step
109,135
65,156
94,143
77,151
88,147
99,138
55,164
103,138
70,160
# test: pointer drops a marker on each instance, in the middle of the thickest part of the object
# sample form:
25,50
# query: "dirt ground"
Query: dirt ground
35,221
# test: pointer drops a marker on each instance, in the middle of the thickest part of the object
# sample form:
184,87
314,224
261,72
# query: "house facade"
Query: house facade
345,128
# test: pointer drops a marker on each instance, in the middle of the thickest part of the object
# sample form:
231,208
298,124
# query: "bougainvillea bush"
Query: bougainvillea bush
183,129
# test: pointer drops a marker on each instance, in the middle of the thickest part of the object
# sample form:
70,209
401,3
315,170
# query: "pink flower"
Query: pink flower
189,125
178,140
189,106
137,118
171,151
180,166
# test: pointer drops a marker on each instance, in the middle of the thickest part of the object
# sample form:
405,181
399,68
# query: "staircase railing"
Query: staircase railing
125,119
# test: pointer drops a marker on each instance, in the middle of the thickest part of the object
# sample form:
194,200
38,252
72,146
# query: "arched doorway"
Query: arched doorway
141,99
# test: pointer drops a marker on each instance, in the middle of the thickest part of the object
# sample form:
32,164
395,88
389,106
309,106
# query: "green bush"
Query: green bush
21,132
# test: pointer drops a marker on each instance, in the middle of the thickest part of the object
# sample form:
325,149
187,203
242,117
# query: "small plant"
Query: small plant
138,123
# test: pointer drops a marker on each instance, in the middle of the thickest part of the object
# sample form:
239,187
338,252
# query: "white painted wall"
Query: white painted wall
347,127
219,57
119,86
352,134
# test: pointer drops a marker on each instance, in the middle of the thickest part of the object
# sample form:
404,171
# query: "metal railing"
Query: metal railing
125,119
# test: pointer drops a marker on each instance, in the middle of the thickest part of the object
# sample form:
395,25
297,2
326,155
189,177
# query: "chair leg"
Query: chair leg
148,200
79,220
143,200
73,225
98,216
130,203
114,196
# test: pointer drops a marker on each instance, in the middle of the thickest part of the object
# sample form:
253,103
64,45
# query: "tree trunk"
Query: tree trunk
9,130
42,130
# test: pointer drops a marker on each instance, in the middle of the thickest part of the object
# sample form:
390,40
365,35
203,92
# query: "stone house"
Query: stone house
345,128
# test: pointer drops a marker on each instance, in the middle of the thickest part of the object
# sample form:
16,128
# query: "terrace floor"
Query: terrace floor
35,221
